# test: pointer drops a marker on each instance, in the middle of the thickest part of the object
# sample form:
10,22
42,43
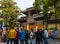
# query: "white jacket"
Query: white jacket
46,33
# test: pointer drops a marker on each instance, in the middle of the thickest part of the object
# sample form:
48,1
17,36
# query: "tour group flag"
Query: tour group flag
2,26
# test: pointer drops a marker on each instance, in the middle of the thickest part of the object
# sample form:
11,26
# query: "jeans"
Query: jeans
11,41
22,41
46,40
37,41
17,41
26,41
8,41
32,41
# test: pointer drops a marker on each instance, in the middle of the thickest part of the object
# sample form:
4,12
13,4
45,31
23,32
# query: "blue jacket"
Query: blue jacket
22,35
55,33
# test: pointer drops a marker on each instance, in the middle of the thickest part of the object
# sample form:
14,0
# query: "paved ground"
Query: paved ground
50,41
54,41
2,43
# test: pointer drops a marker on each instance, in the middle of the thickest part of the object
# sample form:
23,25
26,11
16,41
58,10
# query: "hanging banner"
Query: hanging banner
2,26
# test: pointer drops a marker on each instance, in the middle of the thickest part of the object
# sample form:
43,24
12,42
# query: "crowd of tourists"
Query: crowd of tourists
22,36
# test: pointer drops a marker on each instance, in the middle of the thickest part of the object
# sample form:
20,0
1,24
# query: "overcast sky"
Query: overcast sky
23,4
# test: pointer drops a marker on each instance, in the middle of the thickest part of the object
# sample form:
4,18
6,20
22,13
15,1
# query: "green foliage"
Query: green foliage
46,5
10,12
36,5
58,10
0,23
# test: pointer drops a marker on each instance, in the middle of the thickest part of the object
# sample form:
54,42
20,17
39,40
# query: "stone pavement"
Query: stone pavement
2,43
54,41
50,42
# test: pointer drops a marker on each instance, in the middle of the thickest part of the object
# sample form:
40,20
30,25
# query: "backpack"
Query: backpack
31,35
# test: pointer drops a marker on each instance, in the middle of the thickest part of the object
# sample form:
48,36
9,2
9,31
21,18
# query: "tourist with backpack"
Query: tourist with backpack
22,36
31,37
46,36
